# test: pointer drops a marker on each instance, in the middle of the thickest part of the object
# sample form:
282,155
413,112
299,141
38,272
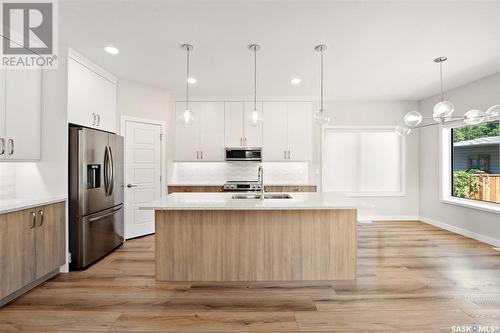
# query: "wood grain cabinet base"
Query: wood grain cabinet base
32,247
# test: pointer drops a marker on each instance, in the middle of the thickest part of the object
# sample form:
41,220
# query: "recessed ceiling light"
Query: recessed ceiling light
111,50
191,80
295,80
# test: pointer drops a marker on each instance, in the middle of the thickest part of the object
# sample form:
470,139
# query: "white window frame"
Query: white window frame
401,192
446,176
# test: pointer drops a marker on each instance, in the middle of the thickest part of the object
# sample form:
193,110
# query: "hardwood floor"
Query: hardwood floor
412,277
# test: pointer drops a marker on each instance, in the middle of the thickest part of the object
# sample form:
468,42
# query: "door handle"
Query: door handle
2,141
33,217
11,144
112,170
132,185
40,212
106,171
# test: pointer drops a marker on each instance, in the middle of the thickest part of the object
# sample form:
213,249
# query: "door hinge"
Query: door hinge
69,257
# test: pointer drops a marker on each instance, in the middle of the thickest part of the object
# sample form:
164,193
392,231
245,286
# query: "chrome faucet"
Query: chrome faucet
261,181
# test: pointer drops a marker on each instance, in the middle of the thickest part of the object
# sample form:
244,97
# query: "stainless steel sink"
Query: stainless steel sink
266,196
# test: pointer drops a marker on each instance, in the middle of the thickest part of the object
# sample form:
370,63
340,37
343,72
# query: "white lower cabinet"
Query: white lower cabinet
287,131
20,114
203,140
91,96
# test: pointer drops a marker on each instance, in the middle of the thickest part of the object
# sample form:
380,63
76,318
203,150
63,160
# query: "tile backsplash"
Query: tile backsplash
282,173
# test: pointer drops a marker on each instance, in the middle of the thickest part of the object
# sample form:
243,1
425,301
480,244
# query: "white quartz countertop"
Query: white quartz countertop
12,205
224,201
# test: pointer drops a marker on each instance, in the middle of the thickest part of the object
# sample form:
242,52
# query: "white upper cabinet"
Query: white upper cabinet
252,134
203,140
91,95
233,114
275,131
212,131
21,114
287,131
300,129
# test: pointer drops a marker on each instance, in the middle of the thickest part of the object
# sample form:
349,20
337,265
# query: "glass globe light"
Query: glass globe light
474,117
442,111
187,117
402,130
492,113
321,117
255,118
413,118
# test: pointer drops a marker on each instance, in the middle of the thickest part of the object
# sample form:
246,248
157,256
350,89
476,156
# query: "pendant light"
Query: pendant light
255,117
187,117
442,110
320,116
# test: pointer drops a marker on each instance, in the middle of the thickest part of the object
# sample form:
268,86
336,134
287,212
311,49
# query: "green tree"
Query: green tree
482,130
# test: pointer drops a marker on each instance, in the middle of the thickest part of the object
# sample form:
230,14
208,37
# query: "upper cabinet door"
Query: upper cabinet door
211,131
300,123
233,124
187,137
275,131
91,98
23,114
252,134
3,142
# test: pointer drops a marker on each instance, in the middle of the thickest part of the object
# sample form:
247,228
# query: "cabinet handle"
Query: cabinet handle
241,141
93,118
98,120
201,154
11,144
288,154
284,154
33,217
40,212
245,141
197,154
2,151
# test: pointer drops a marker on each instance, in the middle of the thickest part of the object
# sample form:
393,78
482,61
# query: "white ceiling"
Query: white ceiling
376,50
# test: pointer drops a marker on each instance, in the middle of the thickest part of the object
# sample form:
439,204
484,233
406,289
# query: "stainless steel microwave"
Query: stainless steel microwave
244,154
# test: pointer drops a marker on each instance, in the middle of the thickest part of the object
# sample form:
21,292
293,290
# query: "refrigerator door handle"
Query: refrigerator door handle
112,171
106,172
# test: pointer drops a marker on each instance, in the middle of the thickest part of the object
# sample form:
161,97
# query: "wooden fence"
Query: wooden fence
489,188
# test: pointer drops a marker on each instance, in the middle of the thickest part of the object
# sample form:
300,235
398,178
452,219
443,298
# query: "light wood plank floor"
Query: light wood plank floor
412,277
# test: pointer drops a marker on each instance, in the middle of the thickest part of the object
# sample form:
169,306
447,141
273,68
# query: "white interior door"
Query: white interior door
143,156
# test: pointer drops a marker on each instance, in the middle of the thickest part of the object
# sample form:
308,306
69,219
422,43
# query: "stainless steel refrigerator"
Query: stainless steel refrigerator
96,213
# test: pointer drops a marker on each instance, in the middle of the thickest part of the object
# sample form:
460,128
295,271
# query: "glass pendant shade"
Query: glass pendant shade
402,130
255,118
474,117
321,117
492,113
413,118
443,111
187,117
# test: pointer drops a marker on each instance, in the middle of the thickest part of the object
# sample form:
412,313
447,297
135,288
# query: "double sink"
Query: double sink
251,196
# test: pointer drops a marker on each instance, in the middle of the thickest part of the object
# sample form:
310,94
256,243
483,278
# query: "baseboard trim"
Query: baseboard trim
389,218
464,232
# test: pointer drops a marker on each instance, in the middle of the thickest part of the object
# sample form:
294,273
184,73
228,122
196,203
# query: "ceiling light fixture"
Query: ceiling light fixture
295,81
320,116
191,80
255,117
442,111
111,50
187,117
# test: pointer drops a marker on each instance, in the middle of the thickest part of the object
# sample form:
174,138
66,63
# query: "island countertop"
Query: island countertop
224,201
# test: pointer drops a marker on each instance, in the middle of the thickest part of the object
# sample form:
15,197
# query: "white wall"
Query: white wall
48,177
480,94
142,101
377,113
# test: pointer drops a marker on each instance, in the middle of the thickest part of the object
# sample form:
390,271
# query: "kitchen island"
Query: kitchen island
213,237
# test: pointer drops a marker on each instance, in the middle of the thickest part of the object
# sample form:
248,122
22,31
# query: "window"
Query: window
475,163
363,161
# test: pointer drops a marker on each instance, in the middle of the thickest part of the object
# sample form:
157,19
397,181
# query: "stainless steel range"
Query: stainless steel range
242,186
